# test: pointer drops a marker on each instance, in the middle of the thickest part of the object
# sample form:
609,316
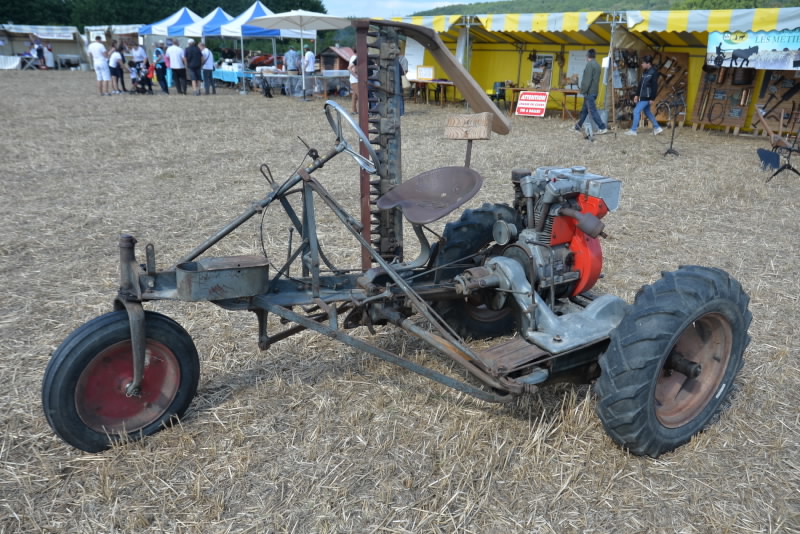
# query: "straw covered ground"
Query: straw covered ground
313,436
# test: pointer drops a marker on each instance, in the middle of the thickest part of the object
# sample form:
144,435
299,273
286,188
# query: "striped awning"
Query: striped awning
54,33
540,22
718,20
531,28
438,23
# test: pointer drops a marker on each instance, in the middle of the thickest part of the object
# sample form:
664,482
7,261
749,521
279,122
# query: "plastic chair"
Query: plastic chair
499,93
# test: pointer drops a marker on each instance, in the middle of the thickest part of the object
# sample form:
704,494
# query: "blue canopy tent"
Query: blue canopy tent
240,27
172,25
210,25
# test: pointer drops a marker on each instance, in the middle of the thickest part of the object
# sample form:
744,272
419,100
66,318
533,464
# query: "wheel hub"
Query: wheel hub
101,396
694,370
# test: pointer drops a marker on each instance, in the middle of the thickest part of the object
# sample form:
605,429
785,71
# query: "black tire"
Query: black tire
460,239
83,392
647,406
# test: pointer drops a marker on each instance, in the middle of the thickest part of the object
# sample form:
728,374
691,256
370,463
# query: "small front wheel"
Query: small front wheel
672,360
84,387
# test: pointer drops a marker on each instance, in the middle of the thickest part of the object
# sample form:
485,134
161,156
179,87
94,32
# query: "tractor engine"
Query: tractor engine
560,210
554,255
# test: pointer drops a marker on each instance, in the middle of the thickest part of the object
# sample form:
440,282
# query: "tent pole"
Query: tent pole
302,64
613,66
241,40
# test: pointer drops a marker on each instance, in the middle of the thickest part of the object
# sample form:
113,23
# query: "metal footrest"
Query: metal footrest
511,356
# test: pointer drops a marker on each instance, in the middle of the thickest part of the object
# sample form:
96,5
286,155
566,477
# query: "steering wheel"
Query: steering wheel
337,117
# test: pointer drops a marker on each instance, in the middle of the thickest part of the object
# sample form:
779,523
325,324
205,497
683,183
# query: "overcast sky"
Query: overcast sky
384,8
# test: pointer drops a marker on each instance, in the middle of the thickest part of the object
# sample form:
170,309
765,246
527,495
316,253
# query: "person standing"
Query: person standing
161,67
351,67
208,69
590,84
177,66
194,64
309,59
100,61
116,63
290,60
38,50
402,69
646,93
139,56
142,65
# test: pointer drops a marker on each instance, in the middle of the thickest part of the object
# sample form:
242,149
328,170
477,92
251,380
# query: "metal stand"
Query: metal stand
674,121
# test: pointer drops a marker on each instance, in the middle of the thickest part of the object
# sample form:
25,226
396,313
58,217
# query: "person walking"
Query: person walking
646,93
177,66
208,69
194,64
590,84
159,60
100,61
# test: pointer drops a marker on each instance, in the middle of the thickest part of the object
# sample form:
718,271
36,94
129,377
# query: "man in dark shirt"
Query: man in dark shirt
590,83
194,62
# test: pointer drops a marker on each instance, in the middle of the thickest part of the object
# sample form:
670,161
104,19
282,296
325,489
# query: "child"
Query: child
136,78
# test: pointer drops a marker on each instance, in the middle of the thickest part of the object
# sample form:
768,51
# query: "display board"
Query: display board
542,72
723,97
575,64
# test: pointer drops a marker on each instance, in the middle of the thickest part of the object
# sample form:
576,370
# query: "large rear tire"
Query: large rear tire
473,231
83,392
695,316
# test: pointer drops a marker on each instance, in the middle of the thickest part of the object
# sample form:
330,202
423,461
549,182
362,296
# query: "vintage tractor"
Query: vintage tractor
663,366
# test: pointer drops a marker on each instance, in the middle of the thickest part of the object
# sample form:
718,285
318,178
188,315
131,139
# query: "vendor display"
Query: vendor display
779,101
723,98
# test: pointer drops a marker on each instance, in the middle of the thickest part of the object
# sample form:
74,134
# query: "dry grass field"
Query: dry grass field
313,436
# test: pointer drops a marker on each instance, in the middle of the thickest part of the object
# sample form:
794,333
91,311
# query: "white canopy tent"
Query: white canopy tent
15,39
303,22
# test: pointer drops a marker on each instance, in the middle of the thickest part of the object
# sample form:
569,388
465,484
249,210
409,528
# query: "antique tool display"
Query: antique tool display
723,97
779,101
673,73
663,366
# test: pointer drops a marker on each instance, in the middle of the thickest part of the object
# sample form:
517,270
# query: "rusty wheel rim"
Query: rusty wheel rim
706,341
100,397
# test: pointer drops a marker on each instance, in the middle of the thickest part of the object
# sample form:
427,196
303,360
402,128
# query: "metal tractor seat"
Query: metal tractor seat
433,194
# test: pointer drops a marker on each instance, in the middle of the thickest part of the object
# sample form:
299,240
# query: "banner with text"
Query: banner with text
777,50
532,103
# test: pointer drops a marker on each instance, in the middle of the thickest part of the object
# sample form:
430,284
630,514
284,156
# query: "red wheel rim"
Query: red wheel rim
678,398
100,397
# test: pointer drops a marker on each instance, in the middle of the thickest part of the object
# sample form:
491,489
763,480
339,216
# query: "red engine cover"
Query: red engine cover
586,251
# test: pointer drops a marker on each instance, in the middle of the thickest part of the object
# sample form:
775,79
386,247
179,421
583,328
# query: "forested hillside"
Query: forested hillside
90,12
558,6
